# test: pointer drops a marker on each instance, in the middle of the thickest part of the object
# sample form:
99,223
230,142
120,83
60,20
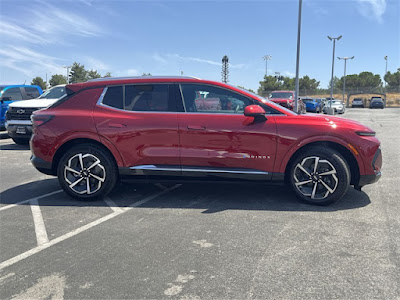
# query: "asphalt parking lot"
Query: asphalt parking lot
198,241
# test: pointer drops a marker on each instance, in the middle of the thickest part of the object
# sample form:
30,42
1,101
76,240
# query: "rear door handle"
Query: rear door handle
116,125
194,127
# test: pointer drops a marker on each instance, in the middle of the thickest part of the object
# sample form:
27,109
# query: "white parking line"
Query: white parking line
38,249
40,227
112,205
25,201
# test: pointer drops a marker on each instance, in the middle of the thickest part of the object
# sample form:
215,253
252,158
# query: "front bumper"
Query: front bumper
369,179
19,130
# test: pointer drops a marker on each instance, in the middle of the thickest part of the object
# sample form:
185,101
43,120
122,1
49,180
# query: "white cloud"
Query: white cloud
168,57
372,9
16,32
290,74
28,61
92,63
132,72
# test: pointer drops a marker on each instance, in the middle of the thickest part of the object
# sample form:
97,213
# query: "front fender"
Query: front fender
318,139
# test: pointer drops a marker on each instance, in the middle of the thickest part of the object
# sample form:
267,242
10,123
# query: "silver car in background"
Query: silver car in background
337,105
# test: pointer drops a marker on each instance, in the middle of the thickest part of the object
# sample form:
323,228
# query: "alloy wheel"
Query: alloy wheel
84,173
315,178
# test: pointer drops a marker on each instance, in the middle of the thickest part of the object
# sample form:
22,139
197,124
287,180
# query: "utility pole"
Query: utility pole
266,58
296,92
344,77
225,69
386,58
333,66
67,67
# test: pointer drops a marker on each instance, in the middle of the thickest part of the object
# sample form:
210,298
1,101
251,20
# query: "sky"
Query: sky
129,38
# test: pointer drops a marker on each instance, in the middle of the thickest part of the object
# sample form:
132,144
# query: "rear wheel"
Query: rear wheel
87,172
20,141
319,176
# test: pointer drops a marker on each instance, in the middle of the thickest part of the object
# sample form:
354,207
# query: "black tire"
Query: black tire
20,141
329,161
99,172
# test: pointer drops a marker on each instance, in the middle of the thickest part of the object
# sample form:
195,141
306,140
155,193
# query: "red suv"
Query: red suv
286,99
177,128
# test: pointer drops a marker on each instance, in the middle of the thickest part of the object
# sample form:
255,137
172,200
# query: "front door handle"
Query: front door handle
116,125
195,127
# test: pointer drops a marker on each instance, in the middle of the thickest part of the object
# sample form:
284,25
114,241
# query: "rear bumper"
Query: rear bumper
42,165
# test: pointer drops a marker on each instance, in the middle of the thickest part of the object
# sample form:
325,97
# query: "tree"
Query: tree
39,81
335,83
93,74
57,79
78,73
250,90
308,85
393,81
108,74
270,83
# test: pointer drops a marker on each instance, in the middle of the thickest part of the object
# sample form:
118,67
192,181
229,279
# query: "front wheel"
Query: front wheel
87,172
319,176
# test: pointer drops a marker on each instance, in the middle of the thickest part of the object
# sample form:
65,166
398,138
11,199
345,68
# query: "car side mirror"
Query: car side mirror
255,111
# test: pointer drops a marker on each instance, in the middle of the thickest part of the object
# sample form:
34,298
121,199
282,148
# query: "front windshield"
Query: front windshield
281,95
54,93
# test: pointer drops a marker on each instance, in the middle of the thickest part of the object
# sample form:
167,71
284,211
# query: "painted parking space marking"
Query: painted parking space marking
26,201
112,205
66,236
40,227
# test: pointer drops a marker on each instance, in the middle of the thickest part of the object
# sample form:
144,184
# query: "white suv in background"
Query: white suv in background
18,115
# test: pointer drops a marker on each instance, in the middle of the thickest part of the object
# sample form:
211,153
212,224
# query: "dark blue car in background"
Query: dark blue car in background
11,93
312,105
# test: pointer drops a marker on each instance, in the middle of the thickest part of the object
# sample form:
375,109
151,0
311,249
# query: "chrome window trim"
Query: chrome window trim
100,103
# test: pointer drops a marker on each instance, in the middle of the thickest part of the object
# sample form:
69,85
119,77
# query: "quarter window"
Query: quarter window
211,99
114,97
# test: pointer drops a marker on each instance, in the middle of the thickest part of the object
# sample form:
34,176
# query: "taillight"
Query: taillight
39,120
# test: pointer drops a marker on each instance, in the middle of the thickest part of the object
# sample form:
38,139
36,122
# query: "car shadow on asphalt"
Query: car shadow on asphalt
13,146
208,198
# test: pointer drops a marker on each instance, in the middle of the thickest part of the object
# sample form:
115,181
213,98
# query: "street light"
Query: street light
333,66
296,89
266,58
344,76
386,58
67,67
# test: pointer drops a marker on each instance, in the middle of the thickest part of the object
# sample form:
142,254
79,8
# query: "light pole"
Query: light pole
266,58
344,76
386,58
296,91
333,66
67,67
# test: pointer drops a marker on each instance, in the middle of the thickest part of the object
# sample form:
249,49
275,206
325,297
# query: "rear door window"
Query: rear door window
152,97
31,93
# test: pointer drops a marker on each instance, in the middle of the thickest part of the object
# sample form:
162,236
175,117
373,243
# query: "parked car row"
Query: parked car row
286,99
375,102
11,93
18,116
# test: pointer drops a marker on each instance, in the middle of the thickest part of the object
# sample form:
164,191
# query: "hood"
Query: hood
334,122
40,103
280,100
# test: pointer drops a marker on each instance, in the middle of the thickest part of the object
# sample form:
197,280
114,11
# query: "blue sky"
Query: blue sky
128,38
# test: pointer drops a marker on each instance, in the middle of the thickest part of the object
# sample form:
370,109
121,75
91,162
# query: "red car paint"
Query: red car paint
183,139
288,101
